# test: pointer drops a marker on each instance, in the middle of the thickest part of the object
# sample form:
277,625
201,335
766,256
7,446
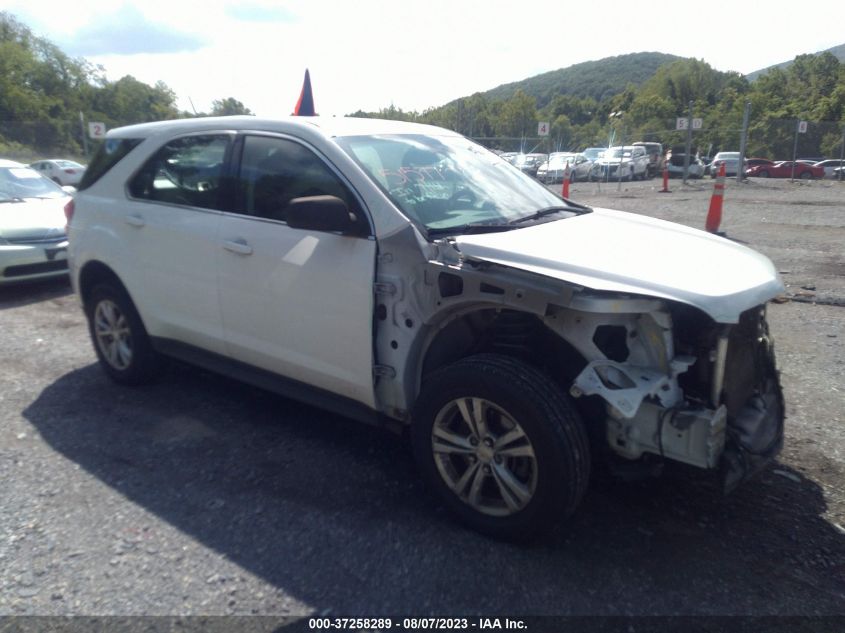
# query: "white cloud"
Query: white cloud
368,54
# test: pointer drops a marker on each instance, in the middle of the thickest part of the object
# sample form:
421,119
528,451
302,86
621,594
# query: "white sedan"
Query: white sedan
63,172
33,238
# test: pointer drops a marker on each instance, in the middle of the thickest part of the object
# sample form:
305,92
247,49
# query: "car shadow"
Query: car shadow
24,293
332,512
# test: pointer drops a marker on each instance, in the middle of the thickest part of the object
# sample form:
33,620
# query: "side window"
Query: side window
187,171
274,171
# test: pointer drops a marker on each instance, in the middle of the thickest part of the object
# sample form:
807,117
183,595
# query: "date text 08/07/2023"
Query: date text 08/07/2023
415,624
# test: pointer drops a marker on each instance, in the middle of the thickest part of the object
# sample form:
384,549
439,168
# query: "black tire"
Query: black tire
807,175
763,174
557,471
142,363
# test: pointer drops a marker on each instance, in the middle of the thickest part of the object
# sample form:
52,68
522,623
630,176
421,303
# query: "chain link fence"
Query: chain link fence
771,138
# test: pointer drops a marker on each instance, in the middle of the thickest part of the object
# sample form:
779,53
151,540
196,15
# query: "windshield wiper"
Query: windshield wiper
541,213
466,229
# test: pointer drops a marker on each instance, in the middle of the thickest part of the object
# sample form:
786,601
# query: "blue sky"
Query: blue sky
367,54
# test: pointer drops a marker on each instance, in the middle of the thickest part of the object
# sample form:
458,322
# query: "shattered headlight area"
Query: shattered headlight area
714,402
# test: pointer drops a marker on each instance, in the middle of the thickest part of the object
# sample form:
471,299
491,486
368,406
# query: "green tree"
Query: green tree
228,106
518,117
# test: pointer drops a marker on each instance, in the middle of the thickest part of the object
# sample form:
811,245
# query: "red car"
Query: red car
783,169
753,162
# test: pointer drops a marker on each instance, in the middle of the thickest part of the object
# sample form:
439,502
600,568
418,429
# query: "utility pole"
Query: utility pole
795,150
842,155
689,142
84,134
743,142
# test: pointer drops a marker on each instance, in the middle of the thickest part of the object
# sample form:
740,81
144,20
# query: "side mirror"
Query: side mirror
322,213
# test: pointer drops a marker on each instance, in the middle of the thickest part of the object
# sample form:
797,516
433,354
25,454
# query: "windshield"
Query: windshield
617,153
561,160
443,182
19,183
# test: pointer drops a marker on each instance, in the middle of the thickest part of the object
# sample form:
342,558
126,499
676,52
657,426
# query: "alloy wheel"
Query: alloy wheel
484,456
114,338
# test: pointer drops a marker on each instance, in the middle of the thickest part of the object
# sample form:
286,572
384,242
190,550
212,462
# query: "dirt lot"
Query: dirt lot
199,495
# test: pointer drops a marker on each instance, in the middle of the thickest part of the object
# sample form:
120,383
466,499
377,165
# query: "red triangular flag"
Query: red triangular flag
305,105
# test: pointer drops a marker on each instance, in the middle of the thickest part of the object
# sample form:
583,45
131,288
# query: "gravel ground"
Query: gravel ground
202,496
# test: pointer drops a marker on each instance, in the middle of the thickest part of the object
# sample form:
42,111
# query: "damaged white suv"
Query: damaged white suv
401,274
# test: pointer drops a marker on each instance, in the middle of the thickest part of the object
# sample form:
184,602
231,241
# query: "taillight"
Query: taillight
69,209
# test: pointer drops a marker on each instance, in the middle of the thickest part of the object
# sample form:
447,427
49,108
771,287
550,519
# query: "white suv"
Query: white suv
403,275
629,162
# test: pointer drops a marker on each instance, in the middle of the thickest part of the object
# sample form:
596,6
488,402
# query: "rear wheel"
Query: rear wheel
807,176
120,340
501,445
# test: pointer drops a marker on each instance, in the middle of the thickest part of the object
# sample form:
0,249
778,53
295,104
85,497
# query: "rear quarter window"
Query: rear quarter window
111,152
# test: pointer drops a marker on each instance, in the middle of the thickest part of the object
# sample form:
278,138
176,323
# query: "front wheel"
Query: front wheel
806,176
763,174
501,444
120,339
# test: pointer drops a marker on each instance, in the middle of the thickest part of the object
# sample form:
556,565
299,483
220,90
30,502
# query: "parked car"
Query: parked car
655,156
729,159
63,172
403,275
838,173
783,169
529,163
753,162
553,170
33,241
624,163
675,166
829,165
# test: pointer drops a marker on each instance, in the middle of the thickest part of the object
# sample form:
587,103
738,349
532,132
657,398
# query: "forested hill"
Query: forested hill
837,51
598,79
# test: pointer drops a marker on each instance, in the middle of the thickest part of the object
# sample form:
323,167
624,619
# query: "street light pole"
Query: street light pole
689,142
743,142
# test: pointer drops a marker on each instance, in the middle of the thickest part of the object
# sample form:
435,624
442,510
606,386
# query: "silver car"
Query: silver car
553,170
33,237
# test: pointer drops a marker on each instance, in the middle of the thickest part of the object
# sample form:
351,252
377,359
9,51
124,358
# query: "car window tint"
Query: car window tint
109,154
186,171
274,171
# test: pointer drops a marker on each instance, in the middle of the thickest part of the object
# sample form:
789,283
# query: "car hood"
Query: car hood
33,219
623,252
613,161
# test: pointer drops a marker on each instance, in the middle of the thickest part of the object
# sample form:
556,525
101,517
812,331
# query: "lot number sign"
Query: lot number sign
543,128
96,129
682,123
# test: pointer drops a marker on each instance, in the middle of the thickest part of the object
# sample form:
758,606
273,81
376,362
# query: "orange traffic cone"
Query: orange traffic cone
565,192
714,214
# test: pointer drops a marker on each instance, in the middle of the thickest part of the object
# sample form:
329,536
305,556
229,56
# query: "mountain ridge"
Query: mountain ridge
836,51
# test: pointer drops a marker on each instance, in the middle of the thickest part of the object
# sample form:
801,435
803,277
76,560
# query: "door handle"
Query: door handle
135,220
237,246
